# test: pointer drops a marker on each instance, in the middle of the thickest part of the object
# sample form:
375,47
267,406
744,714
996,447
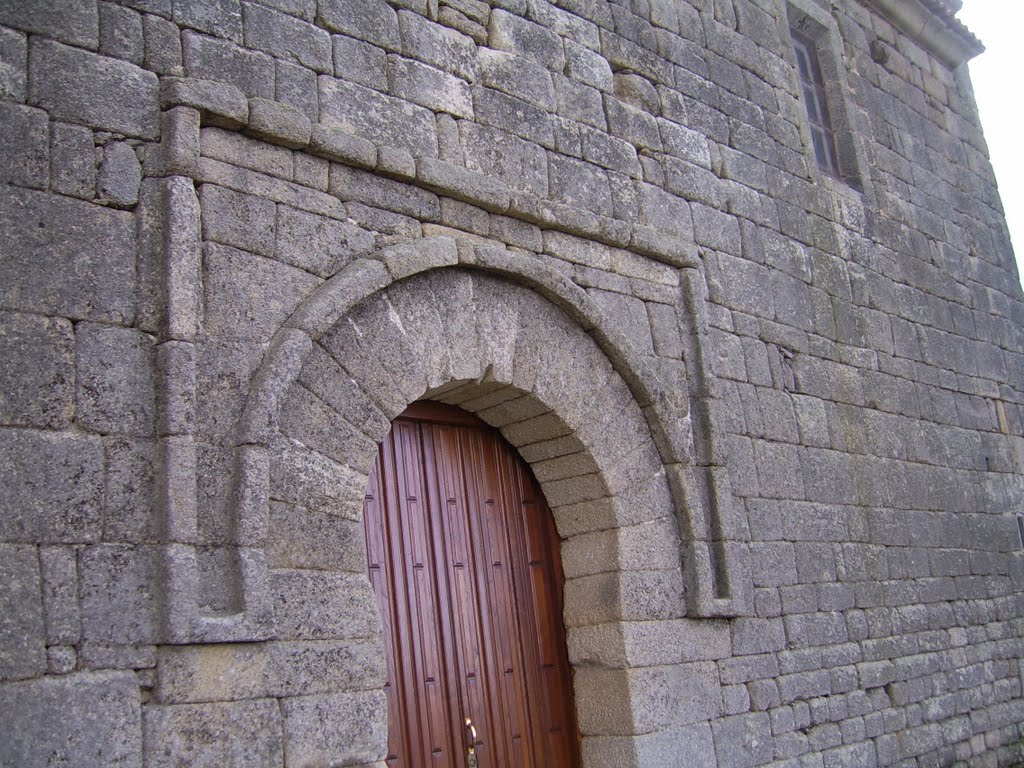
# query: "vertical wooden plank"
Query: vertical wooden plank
464,560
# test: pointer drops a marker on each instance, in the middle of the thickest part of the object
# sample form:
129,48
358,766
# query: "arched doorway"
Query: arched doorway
464,560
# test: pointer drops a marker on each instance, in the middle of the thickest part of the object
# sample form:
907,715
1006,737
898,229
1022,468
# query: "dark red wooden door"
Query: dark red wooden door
464,560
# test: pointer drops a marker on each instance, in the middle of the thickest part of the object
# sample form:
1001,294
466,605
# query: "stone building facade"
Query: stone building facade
776,412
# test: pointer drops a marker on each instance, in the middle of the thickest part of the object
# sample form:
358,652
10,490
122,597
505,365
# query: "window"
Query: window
832,127
812,84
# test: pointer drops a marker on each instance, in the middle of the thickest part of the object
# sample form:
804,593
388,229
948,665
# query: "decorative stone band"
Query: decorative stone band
716,572
189,103
932,24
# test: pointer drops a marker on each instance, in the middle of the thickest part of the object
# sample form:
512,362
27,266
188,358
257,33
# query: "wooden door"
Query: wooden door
464,560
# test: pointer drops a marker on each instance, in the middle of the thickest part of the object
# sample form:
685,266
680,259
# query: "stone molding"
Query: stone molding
933,27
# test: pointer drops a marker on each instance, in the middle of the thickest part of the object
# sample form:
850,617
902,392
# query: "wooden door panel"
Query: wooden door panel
463,558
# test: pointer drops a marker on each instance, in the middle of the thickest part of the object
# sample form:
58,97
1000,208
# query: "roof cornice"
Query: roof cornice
932,24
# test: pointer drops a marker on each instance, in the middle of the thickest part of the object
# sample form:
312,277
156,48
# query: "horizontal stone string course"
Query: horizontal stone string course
224,105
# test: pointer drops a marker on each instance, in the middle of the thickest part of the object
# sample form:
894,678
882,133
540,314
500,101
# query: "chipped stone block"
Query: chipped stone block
92,720
115,385
213,735
36,370
118,592
337,729
51,488
120,175
25,150
82,87
22,632
13,65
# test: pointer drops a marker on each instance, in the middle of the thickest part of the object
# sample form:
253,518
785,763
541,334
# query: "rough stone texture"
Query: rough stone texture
120,176
24,153
22,635
86,719
65,257
75,22
211,735
52,486
103,93
115,392
778,414
37,375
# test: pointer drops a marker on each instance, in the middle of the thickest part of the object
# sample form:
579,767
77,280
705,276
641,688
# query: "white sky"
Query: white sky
997,76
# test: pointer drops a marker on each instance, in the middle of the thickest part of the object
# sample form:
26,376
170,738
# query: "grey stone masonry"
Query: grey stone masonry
777,413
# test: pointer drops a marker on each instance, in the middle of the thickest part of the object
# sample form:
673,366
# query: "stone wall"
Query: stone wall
777,415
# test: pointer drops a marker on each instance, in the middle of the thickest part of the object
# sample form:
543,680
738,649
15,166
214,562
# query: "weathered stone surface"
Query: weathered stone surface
121,33
118,593
360,62
22,633
249,296
88,719
379,118
429,87
36,371
219,98
211,735
343,728
24,154
512,33
220,18
237,219
58,567
65,257
13,65
52,487
370,20
280,123
439,46
120,176
103,93
320,605
316,243
162,41
275,669
288,38
208,58
75,23
115,390
72,160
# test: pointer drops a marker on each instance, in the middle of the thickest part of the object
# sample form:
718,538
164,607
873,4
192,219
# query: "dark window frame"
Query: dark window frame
812,89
